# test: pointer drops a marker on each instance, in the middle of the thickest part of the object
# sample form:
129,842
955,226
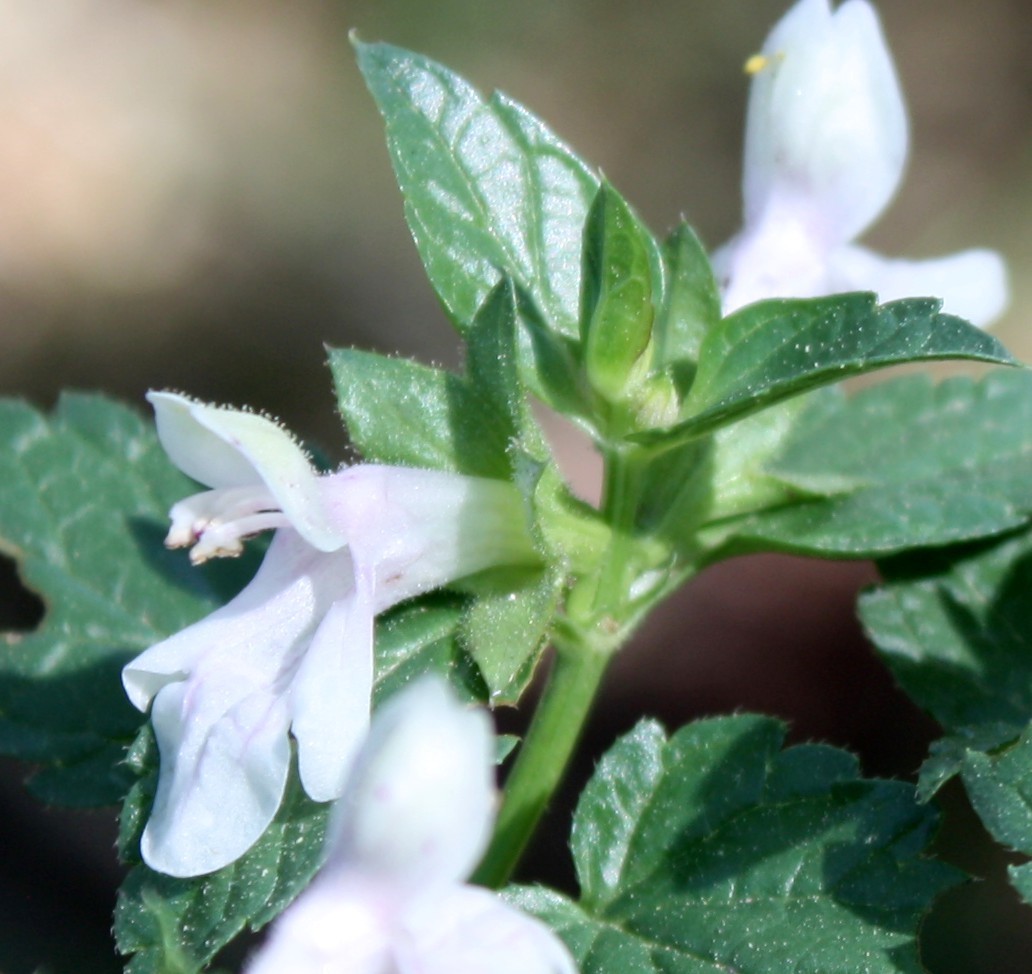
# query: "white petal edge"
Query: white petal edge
468,930
221,714
222,447
264,623
330,696
418,807
972,284
221,779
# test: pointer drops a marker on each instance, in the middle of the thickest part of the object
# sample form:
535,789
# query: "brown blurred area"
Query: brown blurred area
197,195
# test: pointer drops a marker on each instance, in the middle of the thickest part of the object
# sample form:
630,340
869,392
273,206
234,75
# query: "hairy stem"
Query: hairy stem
543,756
594,627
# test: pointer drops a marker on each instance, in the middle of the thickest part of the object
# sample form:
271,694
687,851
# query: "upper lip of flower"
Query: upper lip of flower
255,467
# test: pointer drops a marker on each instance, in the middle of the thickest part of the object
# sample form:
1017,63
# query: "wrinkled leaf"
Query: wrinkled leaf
83,511
955,627
488,188
715,850
775,349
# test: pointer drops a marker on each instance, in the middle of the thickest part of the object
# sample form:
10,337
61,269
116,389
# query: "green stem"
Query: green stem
543,757
584,644
620,497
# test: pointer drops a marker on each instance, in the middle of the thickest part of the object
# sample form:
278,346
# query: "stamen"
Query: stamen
225,539
215,522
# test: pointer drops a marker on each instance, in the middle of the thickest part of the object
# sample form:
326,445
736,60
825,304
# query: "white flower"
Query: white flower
292,653
825,146
414,819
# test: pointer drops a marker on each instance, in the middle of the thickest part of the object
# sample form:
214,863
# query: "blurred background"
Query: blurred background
198,195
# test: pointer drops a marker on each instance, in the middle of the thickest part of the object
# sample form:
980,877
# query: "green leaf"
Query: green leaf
422,637
616,296
906,463
477,424
488,188
181,924
775,349
692,307
506,632
717,851
720,476
554,372
955,627
83,509
400,412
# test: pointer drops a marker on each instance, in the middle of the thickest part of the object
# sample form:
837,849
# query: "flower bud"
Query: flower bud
826,121
418,807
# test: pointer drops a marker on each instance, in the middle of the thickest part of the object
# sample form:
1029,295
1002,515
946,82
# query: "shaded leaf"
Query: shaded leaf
83,509
715,851
955,627
903,464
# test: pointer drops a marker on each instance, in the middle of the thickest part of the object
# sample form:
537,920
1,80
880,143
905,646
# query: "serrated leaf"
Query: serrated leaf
178,925
488,188
903,464
83,506
775,349
716,851
401,412
955,627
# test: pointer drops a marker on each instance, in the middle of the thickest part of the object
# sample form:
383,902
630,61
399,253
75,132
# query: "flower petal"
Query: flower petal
338,926
223,447
778,256
826,122
330,695
971,284
467,930
419,803
420,529
222,775
272,617
220,711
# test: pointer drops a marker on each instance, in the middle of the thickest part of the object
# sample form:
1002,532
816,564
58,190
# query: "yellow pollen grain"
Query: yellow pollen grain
756,64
